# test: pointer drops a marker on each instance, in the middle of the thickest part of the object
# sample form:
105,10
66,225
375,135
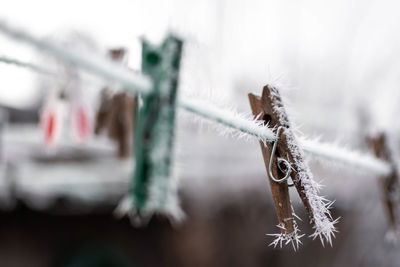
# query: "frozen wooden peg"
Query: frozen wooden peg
280,191
286,166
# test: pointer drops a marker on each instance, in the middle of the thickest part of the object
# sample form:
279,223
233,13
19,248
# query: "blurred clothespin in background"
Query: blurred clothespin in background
51,116
153,186
284,159
389,185
116,112
66,107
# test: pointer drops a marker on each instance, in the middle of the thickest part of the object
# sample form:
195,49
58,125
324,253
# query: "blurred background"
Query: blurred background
60,185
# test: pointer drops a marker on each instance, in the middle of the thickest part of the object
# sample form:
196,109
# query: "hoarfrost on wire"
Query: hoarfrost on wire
229,121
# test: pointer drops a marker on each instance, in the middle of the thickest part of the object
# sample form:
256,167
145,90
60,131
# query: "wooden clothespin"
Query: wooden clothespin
284,160
121,125
380,147
117,54
117,112
103,113
152,187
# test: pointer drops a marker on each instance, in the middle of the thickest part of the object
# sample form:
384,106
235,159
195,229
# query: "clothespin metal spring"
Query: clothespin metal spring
280,162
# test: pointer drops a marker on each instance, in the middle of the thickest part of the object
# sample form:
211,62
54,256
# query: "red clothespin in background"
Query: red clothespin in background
389,184
66,102
51,120
80,116
80,119
283,160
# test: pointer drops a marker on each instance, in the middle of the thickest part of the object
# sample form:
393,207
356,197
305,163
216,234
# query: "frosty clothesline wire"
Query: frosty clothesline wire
142,84
33,67
36,68
209,111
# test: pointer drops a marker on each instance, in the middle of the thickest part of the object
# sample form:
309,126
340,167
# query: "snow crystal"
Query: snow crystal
285,238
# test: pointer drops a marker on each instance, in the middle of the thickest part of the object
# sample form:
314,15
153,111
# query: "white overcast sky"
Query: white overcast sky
336,52
112,23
